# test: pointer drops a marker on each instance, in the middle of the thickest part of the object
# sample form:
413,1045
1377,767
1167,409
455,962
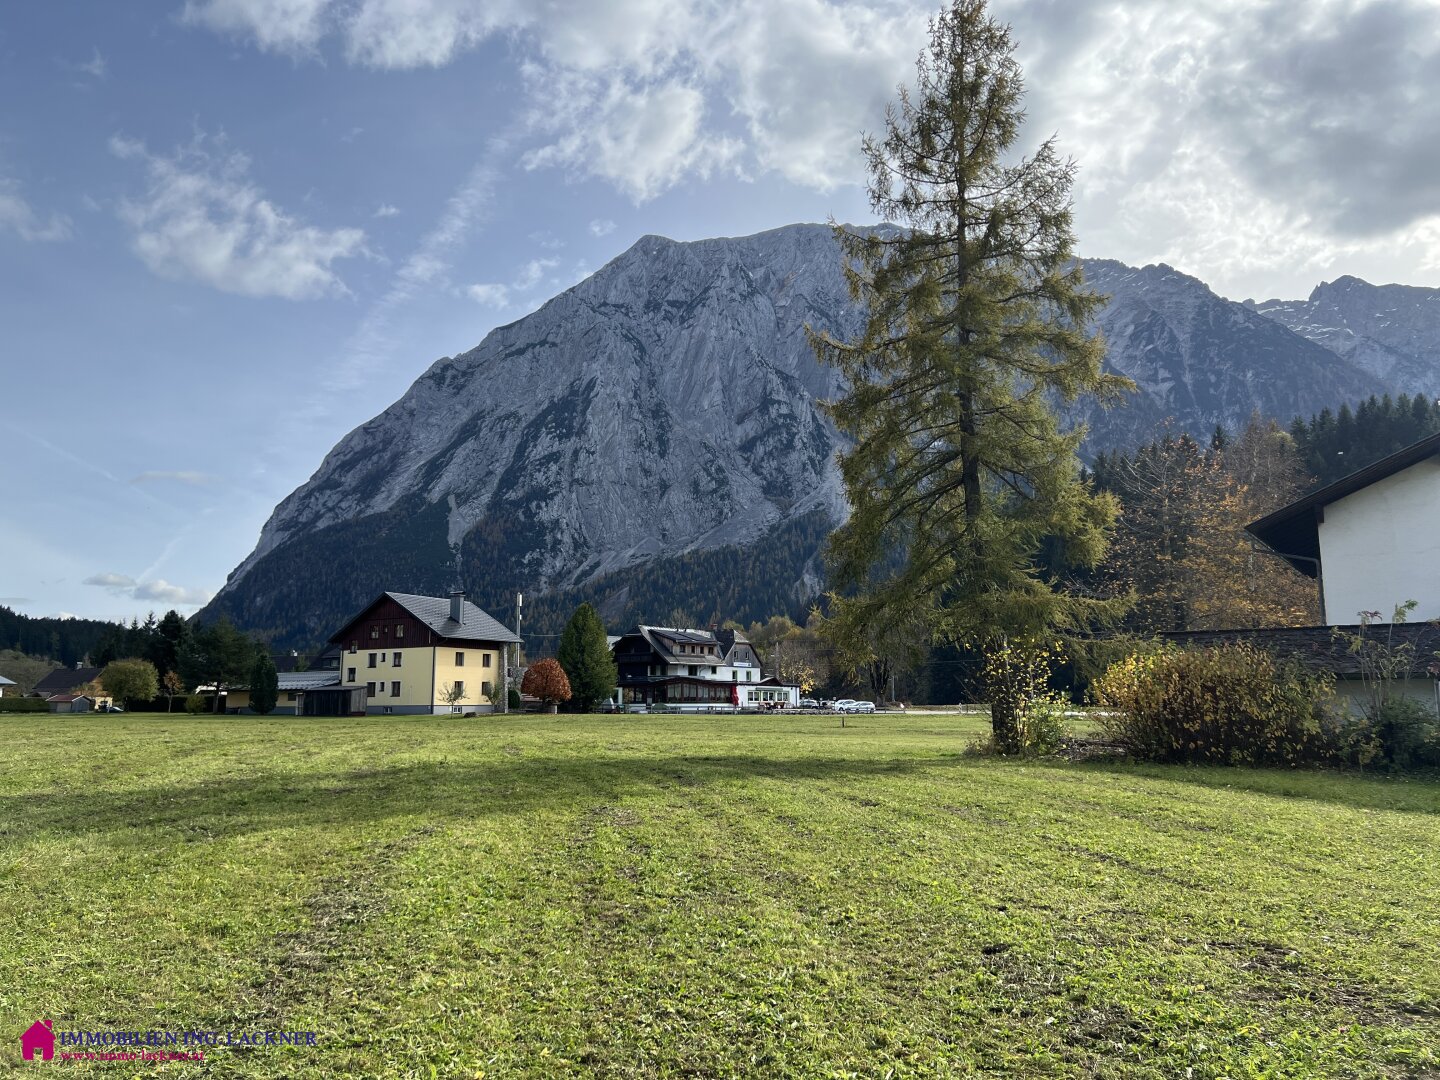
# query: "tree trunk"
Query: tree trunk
1004,724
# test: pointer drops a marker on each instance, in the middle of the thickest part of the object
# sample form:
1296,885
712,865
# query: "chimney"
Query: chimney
79,664
457,606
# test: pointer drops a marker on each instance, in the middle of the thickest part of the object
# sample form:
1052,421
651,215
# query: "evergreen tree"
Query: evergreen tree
585,655
218,656
977,327
264,685
168,642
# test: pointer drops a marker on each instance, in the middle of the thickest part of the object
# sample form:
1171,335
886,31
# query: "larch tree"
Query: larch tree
978,326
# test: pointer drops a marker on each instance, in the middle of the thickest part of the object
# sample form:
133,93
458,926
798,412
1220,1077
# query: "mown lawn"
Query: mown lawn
685,896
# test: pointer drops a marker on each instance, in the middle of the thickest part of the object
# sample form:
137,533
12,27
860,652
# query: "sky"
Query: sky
233,230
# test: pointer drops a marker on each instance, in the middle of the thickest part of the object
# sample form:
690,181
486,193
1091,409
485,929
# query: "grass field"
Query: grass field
685,896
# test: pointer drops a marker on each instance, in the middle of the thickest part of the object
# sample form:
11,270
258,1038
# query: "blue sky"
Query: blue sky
232,230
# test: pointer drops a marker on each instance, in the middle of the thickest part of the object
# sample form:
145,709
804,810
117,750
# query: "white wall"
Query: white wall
1381,546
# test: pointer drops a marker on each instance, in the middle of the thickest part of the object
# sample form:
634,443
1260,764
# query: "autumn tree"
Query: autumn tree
1162,489
978,325
545,679
173,686
1181,546
1232,580
585,655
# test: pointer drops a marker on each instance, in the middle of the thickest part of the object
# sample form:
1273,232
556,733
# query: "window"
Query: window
485,689
694,669
290,696
399,630
350,675
485,660
369,689
354,646
374,631
460,687
394,689
459,659
714,670
372,660
395,660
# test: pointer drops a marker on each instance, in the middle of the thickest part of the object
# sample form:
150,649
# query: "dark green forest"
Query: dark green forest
1335,444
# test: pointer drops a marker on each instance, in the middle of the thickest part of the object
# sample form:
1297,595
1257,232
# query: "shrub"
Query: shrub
1230,704
514,700
197,703
23,704
1017,676
1403,733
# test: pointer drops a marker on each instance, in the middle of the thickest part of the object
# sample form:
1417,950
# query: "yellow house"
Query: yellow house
424,654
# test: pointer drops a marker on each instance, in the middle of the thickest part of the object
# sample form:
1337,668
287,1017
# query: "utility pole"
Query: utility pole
519,599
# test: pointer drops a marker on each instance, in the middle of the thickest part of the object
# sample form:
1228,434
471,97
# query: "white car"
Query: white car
850,705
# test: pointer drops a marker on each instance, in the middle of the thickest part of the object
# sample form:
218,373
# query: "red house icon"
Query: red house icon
39,1036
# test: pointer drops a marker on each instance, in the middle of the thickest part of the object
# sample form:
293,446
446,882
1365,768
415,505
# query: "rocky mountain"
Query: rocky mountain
650,438
1204,360
1390,331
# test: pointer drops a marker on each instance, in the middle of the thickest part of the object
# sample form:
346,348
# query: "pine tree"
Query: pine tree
585,655
977,325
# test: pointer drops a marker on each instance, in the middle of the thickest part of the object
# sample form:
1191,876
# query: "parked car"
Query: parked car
111,708
827,703
845,704
862,706
809,703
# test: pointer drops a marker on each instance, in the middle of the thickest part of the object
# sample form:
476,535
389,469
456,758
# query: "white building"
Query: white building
1372,539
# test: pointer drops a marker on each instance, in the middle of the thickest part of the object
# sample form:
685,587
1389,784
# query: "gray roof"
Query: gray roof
434,612
6,682
306,680
63,680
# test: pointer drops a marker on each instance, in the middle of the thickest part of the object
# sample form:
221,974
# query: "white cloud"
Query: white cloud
602,227
533,272
17,216
527,277
95,67
386,210
158,590
202,218
491,295
290,26
1301,131
110,581
643,137
640,93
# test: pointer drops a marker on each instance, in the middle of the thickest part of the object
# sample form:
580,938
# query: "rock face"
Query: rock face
651,438
1204,360
1390,331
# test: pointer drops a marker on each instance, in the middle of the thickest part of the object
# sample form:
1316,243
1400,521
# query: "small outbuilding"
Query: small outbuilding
69,703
